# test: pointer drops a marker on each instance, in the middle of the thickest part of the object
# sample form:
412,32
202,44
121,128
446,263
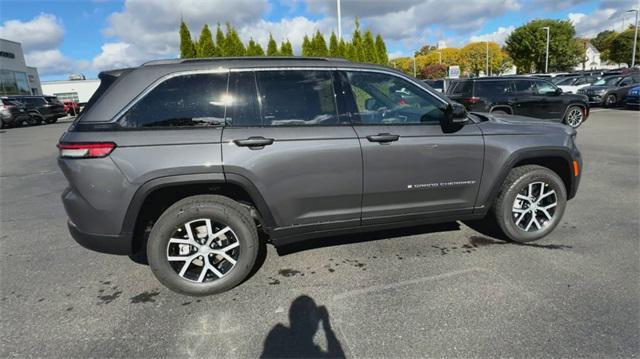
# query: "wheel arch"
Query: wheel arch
557,159
153,197
508,108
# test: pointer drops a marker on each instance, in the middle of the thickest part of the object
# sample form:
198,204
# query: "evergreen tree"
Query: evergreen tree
306,46
356,42
369,48
254,49
187,48
221,42
320,45
272,47
286,49
333,45
351,53
234,45
381,51
206,47
342,49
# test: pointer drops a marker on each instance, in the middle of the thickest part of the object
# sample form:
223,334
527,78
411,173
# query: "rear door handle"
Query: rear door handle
254,142
383,138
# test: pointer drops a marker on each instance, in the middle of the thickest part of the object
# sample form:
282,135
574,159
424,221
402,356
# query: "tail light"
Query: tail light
471,100
86,150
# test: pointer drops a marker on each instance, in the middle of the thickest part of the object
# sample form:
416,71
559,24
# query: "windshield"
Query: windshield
565,82
608,81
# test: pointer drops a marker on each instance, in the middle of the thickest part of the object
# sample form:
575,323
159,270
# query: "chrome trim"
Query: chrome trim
220,70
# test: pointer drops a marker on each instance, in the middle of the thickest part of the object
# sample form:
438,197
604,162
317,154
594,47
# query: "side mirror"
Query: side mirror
370,104
455,113
558,91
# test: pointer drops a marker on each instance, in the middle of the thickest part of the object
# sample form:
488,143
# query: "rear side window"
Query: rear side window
526,86
462,88
181,101
492,88
297,98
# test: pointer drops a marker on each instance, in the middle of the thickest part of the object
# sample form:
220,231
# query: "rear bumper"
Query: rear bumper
112,244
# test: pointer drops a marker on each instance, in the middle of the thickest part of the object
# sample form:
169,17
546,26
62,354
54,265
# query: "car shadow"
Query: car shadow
296,340
331,241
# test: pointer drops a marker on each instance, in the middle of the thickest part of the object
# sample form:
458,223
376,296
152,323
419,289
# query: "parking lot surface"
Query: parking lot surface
435,291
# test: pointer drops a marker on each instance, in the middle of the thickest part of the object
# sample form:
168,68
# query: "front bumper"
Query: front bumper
112,244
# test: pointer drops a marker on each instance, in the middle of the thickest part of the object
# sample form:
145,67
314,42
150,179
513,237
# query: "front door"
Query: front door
411,166
284,135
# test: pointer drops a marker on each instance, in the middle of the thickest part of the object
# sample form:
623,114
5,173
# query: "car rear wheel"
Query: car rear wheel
530,204
203,245
611,100
574,116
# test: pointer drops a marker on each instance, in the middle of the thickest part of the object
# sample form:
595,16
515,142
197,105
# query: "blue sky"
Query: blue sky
62,37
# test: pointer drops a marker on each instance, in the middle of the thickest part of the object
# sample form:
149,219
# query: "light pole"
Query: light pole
339,21
546,60
635,39
414,66
486,69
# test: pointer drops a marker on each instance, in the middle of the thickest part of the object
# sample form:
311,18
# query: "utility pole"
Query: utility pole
486,69
414,66
546,60
339,21
635,39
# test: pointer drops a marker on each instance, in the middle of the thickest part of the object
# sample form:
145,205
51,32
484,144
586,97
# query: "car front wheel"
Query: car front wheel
574,116
530,204
203,245
611,100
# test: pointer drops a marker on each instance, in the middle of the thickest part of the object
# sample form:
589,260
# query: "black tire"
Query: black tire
573,123
518,179
611,100
219,209
2,124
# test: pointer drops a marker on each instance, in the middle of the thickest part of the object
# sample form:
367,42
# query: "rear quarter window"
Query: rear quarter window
181,101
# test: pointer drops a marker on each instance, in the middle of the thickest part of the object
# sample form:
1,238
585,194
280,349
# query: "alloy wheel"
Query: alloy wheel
534,207
611,100
203,250
574,117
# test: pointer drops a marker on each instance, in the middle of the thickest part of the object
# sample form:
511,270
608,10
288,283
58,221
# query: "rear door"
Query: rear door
283,134
411,167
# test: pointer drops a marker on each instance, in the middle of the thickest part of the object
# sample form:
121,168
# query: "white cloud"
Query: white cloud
498,36
43,32
41,38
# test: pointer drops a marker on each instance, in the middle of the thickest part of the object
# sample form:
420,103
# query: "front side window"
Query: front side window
387,99
181,101
297,98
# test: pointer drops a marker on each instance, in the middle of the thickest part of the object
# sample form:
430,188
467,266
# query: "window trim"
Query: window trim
118,116
352,104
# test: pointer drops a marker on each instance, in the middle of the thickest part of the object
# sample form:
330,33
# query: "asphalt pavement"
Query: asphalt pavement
434,291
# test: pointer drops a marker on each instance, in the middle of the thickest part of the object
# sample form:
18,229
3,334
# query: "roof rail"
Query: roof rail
250,58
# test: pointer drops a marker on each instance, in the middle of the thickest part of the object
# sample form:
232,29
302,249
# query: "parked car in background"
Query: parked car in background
72,108
571,84
516,95
610,91
13,113
633,98
49,107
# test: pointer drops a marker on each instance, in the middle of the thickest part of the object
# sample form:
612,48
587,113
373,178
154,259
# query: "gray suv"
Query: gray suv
186,161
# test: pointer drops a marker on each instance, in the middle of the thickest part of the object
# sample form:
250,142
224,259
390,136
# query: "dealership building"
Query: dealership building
77,90
16,78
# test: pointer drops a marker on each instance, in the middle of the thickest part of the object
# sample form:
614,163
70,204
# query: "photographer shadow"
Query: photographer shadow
296,341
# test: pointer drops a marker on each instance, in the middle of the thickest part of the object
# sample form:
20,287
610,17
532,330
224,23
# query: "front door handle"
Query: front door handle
383,138
254,142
